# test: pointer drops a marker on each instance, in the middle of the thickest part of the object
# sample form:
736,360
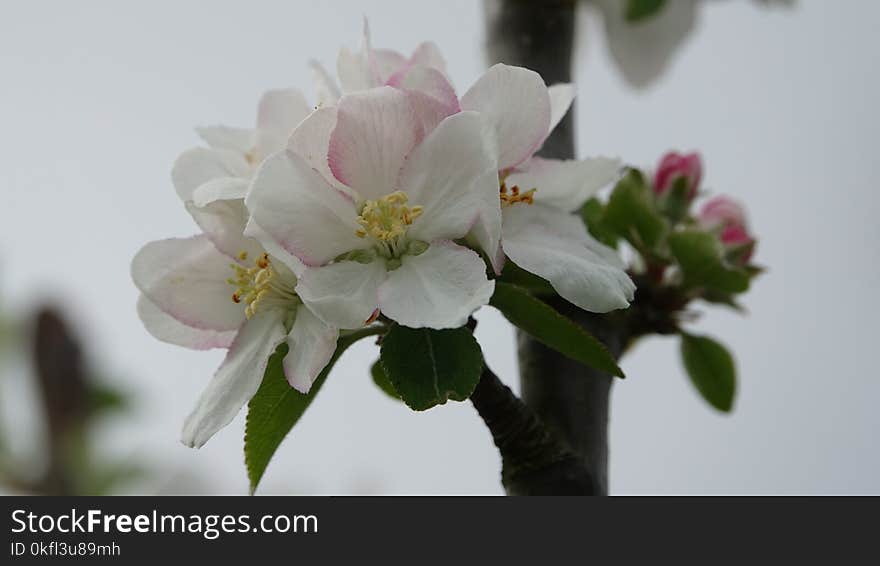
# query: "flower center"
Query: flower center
386,221
514,196
262,286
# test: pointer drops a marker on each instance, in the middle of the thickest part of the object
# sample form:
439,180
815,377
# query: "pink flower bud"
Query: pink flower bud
674,166
725,214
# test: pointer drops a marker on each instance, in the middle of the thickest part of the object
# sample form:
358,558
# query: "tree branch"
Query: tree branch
534,460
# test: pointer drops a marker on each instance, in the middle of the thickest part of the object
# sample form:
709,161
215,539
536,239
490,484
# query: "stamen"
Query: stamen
515,196
259,285
387,219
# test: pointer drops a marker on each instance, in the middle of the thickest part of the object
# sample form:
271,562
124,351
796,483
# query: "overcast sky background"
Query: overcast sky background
98,98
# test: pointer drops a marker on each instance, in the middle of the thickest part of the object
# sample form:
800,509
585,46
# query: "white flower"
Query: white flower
198,297
222,289
384,242
370,67
538,195
213,181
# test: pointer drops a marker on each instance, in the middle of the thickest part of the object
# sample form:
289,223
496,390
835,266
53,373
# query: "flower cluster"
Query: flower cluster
392,201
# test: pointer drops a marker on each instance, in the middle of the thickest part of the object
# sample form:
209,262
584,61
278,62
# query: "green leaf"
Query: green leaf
427,367
592,213
552,329
631,212
711,369
640,10
382,381
701,258
277,406
676,201
516,275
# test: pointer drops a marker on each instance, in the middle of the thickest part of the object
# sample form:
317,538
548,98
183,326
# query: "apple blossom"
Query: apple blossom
538,195
196,296
728,217
385,240
212,181
674,166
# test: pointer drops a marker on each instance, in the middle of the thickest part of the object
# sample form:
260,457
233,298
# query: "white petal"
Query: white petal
186,278
166,328
565,184
223,222
642,51
224,188
516,102
311,141
375,130
453,174
279,113
353,68
554,244
237,379
326,89
197,166
303,214
263,239
343,294
561,97
437,289
428,54
311,344
282,110
240,140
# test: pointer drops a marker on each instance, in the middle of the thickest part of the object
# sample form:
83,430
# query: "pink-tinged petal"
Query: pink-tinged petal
439,288
311,141
197,166
237,379
723,211
565,184
375,130
516,103
428,54
384,63
240,140
555,245
224,188
734,235
168,329
453,175
311,344
561,97
187,279
300,211
223,222
432,96
674,166
326,89
343,294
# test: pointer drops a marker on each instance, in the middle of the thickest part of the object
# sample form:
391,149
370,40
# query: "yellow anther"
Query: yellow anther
514,196
255,285
388,218
242,255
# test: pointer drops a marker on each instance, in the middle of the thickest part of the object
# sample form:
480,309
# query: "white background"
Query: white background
98,98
